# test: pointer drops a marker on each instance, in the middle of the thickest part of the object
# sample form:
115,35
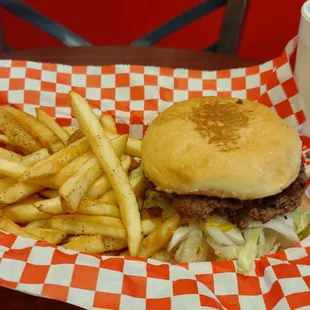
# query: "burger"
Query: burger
232,169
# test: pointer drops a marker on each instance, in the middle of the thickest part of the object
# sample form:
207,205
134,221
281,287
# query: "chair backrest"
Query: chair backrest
228,41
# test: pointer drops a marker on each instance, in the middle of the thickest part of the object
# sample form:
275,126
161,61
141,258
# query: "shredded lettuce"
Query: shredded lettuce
162,255
304,233
225,252
301,220
249,250
287,232
227,230
194,248
267,241
178,236
218,235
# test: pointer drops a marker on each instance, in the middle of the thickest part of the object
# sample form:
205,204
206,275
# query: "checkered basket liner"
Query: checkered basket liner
135,95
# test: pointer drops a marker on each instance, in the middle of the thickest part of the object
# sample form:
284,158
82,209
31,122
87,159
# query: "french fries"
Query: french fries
68,171
57,161
77,224
70,130
49,122
49,193
34,127
6,183
38,224
108,123
77,135
10,227
96,207
160,236
80,188
35,157
102,185
12,168
91,244
46,234
6,140
133,146
112,167
16,133
17,192
50,206
9,155
113,244
75,188
149,225
137,184
24,213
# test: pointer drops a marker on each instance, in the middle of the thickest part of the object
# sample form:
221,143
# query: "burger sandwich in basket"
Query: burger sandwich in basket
233,170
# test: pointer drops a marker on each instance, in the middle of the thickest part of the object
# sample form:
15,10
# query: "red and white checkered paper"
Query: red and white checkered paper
135,95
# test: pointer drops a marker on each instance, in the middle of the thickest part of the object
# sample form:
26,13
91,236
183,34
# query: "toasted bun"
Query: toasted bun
221,147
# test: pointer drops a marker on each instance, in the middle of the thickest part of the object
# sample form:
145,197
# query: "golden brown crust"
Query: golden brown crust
224,147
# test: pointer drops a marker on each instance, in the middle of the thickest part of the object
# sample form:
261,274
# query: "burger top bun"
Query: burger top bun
221,147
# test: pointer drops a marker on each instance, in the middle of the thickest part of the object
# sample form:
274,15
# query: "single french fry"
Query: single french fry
52,125
77,238
149,225
113,244
112,167
133,147
12,168
108,123
50,206
77,224
76,187
47,234
102,185
95,207
91,244
24,213
38,130
35,157
110,244
38,224
6,183
47,182
17,192
49,193
16,134
70,129
160,236
10,227
9,155
57,161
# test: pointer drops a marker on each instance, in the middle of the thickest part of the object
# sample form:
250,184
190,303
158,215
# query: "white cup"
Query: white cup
302,68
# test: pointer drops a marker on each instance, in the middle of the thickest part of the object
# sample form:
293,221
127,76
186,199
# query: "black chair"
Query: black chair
227,44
